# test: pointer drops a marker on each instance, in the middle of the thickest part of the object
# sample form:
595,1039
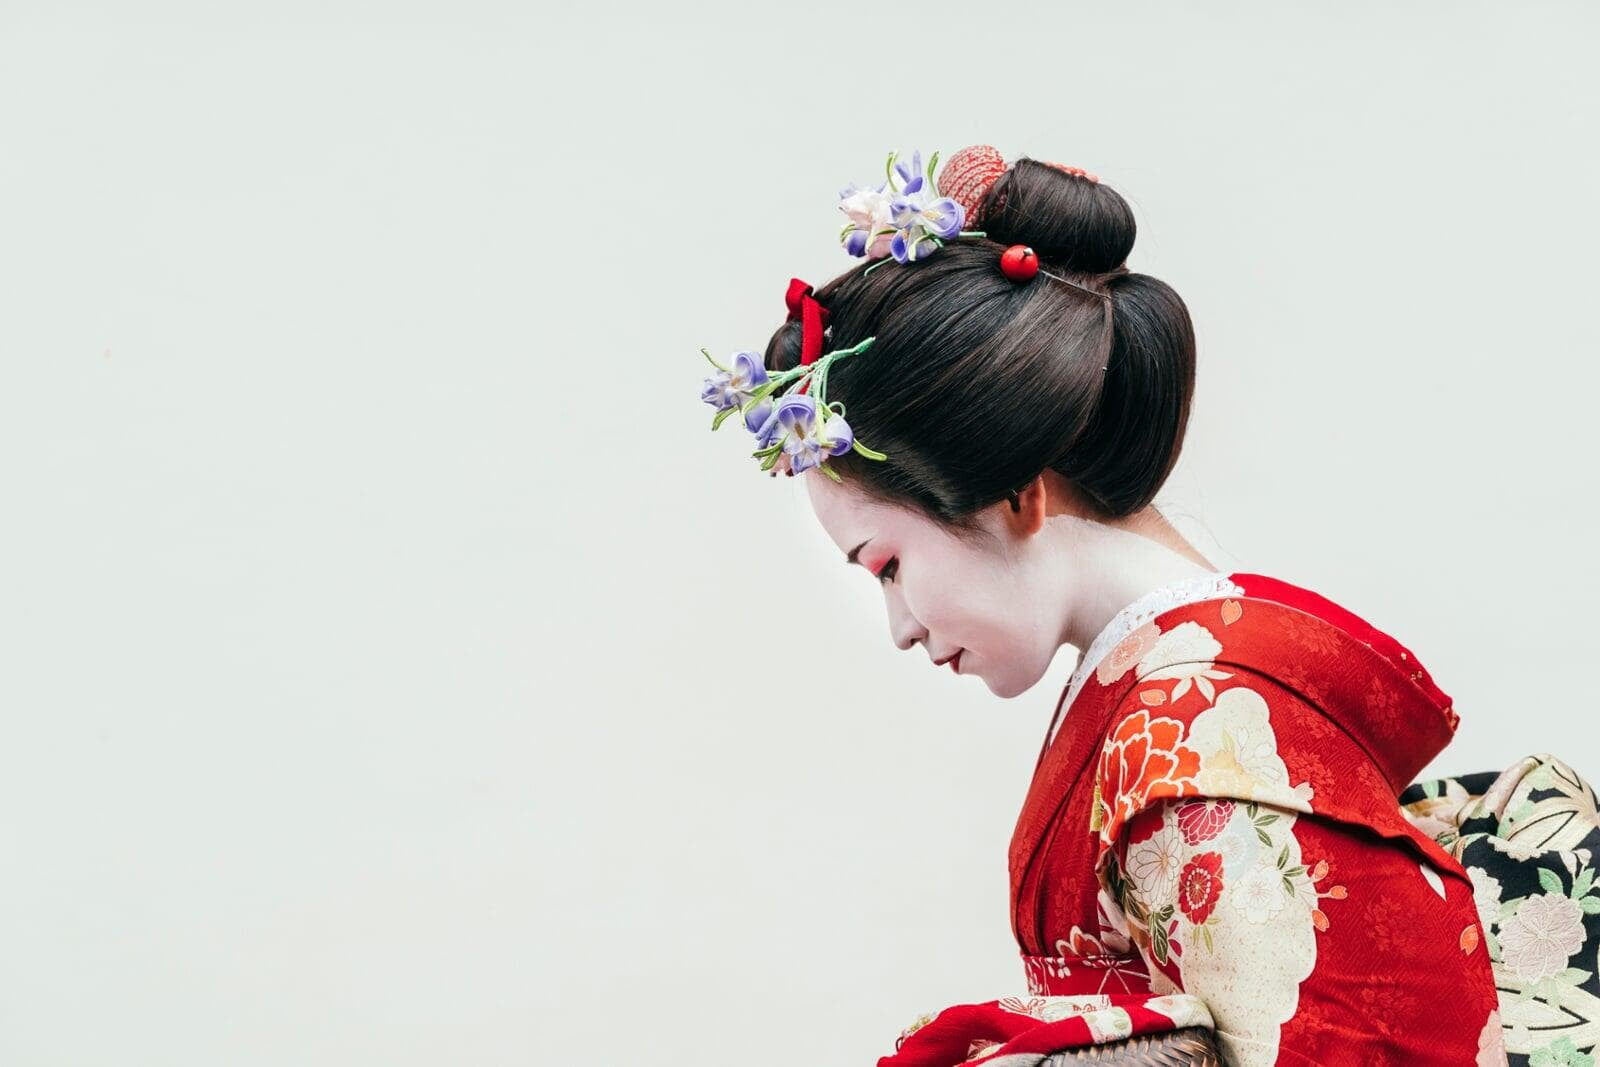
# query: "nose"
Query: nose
904,629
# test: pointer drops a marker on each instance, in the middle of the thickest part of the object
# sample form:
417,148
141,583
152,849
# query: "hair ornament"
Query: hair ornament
968,175
800,429
1020,263
907,217
908,221
1077,171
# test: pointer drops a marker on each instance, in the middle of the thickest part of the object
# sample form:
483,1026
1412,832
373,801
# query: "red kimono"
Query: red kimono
1217,838
1219,816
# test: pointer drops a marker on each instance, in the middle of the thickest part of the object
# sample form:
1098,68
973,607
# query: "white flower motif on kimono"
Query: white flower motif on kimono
1538,940
1129,651
1485,894
1109,1024
1259,895
1182,1009
1153,864
1187,641
1516,848
1052,1008
1437,816
1237,842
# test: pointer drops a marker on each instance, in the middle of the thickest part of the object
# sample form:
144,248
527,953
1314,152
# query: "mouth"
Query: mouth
954,661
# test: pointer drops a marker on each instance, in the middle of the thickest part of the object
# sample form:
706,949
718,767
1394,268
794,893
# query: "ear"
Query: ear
1027,518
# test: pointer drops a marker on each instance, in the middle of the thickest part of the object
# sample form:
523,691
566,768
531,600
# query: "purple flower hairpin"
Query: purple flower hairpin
798,430
908,221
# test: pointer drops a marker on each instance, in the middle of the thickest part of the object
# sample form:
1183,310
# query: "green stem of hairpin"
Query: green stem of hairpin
935,240
778,381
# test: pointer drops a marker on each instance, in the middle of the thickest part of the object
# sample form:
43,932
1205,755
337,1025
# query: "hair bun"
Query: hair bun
1065,214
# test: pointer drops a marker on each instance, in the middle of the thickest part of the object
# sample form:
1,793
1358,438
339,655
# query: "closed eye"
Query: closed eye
888,570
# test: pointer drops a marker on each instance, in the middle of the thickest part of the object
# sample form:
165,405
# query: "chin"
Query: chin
1012,684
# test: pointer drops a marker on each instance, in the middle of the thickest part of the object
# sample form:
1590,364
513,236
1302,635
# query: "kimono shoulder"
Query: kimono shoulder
1248,832
1258,702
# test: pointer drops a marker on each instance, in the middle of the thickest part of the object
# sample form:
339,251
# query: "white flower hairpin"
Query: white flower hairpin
908,221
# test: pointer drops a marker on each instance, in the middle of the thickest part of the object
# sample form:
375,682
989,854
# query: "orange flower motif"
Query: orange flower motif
1143,759
1319,918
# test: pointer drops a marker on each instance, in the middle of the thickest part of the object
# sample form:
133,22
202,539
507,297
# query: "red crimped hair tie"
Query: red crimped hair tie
968,174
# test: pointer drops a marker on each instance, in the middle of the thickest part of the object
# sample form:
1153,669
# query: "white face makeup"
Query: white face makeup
987,598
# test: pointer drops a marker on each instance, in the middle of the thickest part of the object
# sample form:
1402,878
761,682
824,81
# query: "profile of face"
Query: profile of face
991,599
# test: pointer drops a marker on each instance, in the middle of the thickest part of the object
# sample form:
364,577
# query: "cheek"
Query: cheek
966,601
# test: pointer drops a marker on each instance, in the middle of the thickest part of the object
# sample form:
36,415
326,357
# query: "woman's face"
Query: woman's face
987,599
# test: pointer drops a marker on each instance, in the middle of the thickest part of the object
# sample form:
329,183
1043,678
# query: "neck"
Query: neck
1107,566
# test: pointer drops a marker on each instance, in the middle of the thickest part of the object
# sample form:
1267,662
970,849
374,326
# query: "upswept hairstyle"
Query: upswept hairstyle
976,384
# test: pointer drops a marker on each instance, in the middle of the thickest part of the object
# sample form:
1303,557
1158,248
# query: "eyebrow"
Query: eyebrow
850,557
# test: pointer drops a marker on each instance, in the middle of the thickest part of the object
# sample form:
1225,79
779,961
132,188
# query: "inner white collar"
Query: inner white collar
1134,615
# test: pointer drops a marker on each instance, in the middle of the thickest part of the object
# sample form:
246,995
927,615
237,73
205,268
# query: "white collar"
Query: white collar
1134,615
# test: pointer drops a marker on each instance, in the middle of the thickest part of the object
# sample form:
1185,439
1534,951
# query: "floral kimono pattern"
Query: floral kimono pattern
1219,816
1222,833
1527,838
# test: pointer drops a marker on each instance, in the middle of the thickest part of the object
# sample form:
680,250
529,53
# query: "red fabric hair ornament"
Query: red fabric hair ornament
813,319
969,173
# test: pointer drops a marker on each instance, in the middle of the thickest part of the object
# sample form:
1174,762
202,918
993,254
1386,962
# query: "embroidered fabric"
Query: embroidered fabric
1134,615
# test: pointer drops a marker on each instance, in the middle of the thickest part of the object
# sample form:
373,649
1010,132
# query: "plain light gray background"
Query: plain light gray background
396,671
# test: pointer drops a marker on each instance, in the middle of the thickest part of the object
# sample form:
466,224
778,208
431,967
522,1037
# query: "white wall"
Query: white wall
385,673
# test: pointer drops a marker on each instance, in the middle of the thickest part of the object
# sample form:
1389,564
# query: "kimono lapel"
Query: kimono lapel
1342,682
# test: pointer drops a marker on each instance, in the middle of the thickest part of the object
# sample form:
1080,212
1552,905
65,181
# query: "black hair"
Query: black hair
976,384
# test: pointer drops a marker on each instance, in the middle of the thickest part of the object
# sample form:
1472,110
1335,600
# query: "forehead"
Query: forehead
851,516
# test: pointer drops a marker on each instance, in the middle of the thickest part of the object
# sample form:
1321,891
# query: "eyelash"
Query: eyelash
888,569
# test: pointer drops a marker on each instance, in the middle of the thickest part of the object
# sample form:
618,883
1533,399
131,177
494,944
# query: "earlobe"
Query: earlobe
1027,507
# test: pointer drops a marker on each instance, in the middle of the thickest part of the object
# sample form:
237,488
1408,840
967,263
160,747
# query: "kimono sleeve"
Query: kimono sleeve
1221,904
1237,888
1195,816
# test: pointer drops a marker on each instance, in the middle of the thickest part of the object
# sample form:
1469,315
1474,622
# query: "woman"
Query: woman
1214,831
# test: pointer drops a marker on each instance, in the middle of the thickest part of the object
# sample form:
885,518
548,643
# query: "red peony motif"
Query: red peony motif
1144,759
1199,885
1201,820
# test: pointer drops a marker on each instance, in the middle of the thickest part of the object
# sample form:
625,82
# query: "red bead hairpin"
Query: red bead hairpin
1020,263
